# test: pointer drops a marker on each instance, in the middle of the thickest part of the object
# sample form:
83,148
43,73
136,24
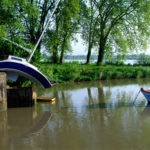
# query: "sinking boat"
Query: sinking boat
16,66
146,94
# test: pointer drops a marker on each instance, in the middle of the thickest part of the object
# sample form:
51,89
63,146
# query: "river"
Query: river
85,116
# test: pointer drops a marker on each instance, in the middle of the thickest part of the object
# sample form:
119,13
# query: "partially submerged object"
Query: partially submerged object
146,94
16,66
46,99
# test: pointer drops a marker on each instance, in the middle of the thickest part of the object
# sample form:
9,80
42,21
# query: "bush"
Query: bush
77,72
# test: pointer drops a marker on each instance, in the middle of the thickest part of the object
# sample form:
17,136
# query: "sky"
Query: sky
79,48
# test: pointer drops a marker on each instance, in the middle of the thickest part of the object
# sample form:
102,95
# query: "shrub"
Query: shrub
78,72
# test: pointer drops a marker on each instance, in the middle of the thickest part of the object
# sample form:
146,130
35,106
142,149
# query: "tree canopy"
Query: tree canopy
119,25
109,26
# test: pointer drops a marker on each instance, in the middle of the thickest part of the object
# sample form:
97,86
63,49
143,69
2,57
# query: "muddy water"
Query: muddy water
85,116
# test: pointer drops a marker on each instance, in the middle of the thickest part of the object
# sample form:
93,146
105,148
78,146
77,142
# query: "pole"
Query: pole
18,45
3,91
136,96
43,31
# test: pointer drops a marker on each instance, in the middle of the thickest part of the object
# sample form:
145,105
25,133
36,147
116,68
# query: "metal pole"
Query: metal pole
136,96
43,31
18,45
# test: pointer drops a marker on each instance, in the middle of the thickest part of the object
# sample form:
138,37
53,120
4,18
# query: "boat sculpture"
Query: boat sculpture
16,66
146,94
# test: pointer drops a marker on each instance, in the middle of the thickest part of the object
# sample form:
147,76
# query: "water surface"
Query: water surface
85,116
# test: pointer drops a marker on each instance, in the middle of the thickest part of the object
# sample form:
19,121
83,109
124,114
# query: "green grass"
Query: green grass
73,72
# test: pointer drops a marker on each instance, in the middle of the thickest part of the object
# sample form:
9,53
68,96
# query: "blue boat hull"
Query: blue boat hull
146,94
16,68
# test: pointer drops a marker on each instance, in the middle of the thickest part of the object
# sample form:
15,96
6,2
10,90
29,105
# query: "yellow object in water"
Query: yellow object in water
46,99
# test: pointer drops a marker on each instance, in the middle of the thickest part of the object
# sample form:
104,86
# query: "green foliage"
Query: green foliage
58,38
2,31
120,26
77,72
89,73
109,26
144,60
72,72
67,73
12,26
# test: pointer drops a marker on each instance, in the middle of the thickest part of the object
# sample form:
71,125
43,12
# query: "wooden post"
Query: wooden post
3,92
19,97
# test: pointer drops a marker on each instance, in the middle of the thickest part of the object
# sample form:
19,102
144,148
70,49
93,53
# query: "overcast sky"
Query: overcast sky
78,48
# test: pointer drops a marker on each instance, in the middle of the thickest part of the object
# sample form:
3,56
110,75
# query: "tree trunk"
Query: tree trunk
90,40
89,53
55,48
100,55
63,48
101,51
61,56
54,57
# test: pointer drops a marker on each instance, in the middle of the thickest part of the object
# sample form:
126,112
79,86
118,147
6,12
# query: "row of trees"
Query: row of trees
107,26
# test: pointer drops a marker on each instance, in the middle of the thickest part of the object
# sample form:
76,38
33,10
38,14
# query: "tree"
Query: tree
9,19
6,15
65,24
27,20
69,24
30,19
33,16
88,26
121,25
12,22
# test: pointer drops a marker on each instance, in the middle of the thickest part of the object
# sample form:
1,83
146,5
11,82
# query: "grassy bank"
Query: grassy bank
77,72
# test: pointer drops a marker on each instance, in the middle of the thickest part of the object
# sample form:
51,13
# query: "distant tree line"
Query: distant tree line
107,26
130,57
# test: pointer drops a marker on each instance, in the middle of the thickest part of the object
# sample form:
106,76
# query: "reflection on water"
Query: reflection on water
86,116
17,125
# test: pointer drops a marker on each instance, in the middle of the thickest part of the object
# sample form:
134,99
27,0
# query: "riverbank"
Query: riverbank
74,72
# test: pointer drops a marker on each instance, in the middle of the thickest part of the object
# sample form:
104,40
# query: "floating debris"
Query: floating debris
46,99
